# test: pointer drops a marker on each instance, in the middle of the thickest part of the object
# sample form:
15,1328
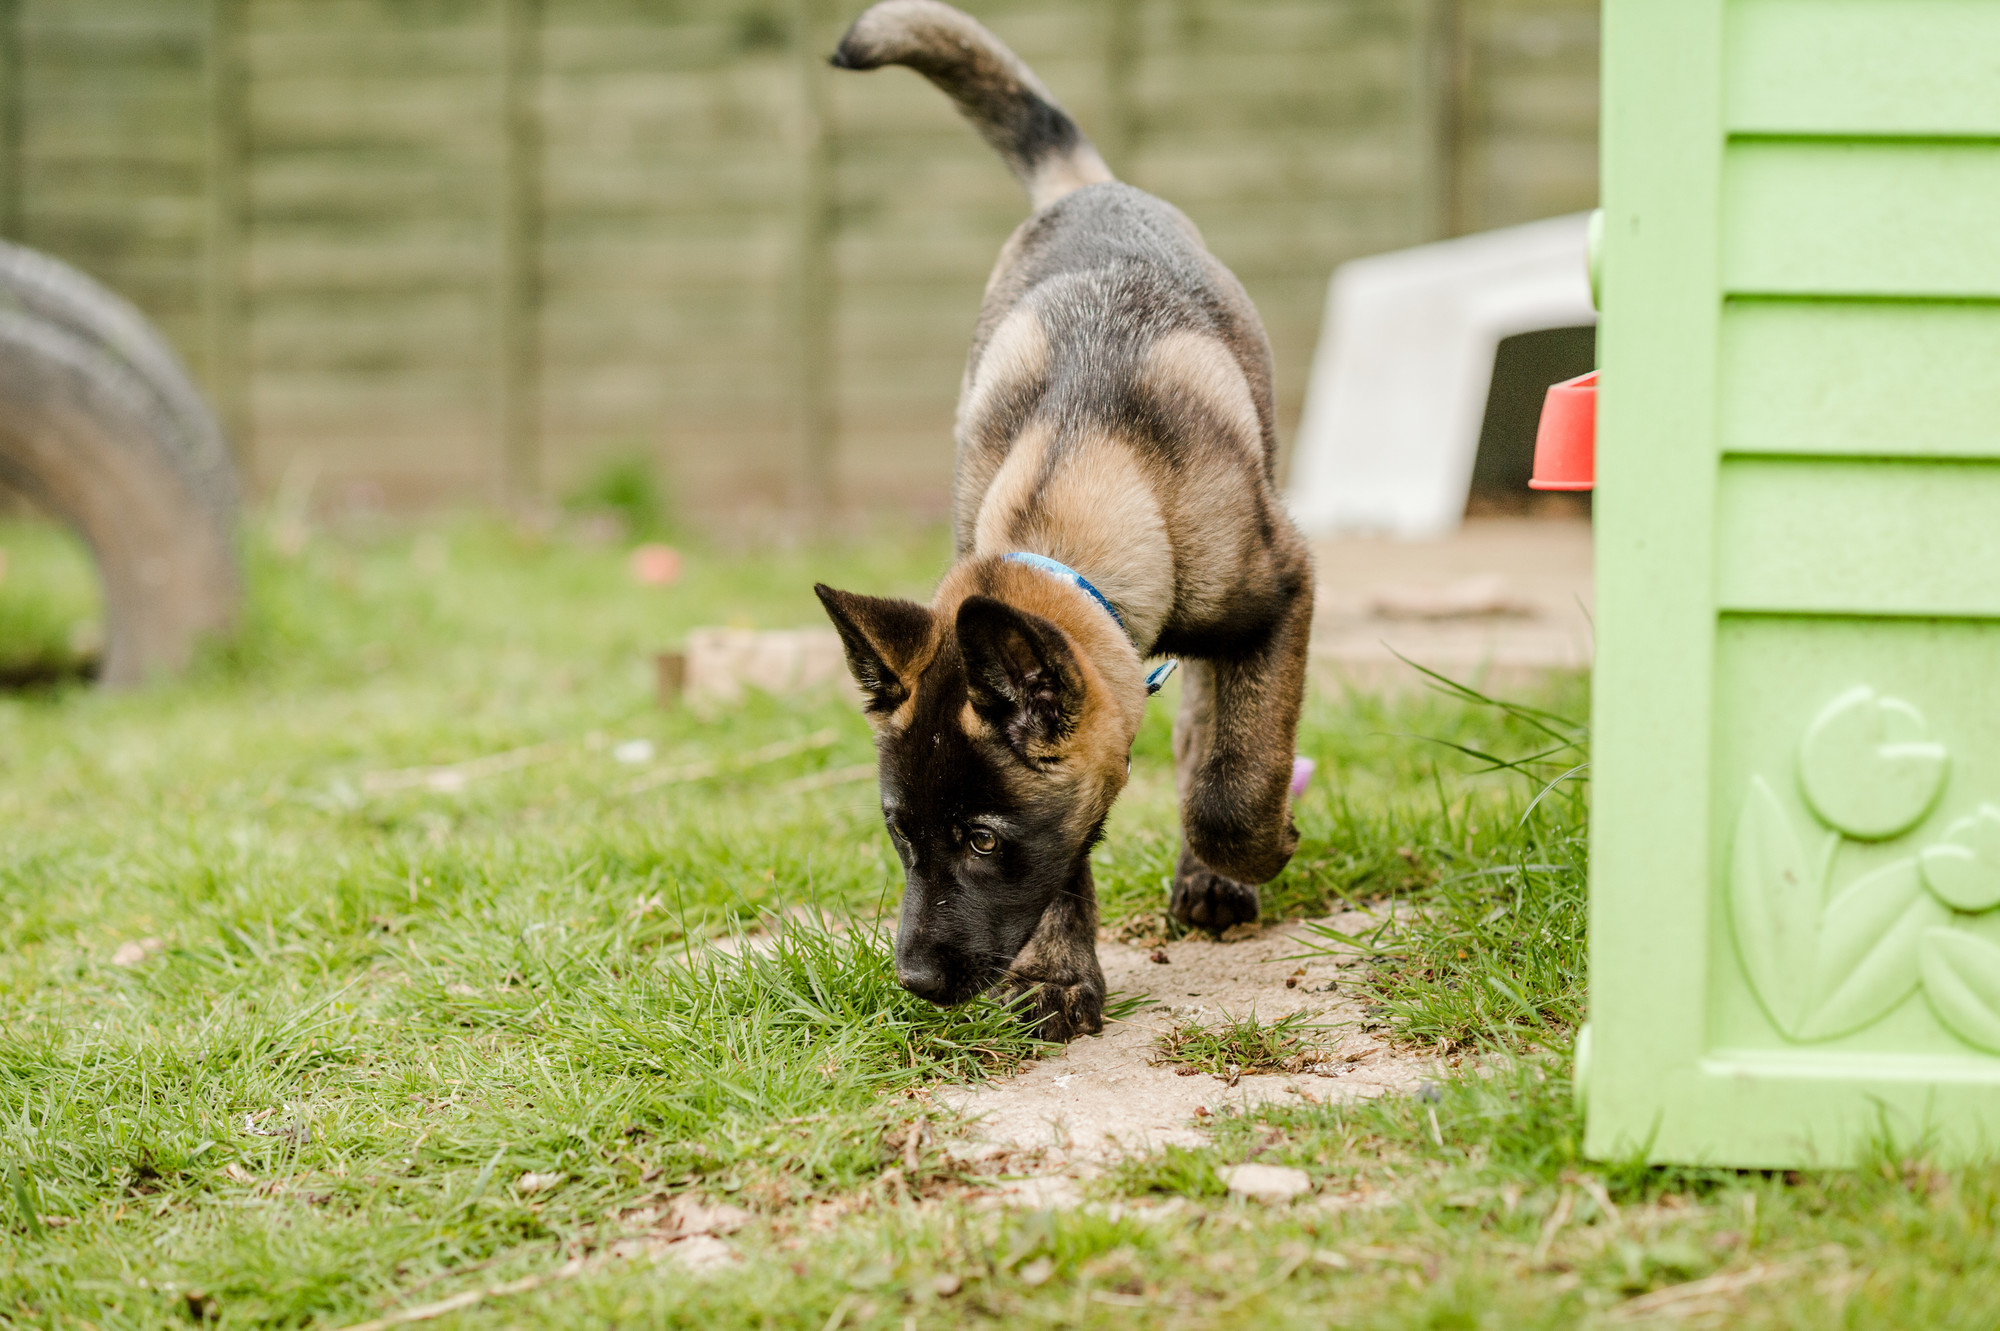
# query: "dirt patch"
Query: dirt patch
1107,1095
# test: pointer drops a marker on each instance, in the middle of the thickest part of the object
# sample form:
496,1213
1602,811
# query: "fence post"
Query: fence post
13,106
225,344
518,350
1122,128
1444,56
813,294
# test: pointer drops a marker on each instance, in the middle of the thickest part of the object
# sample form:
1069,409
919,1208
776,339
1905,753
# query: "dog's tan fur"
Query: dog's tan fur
1115,416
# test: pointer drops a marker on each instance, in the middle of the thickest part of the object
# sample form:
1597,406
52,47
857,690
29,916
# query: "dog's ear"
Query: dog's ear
1020,673
882,638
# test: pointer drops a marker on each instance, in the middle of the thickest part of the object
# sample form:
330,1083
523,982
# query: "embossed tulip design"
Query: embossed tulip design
1826,960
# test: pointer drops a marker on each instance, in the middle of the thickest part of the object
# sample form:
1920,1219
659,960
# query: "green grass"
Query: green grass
1173,1171
50,607
374,1047
1235,1045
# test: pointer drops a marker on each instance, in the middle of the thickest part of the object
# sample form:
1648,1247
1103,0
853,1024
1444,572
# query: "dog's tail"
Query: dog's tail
999,94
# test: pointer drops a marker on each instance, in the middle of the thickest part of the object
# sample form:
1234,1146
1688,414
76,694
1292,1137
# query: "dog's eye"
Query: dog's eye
983,841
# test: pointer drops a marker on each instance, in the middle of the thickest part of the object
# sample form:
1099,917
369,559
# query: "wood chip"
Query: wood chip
1710,1287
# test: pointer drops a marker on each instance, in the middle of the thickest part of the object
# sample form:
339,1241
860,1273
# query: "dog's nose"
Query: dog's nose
921,978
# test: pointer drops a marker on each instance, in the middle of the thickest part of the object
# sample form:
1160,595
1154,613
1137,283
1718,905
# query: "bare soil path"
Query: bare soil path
1104,1096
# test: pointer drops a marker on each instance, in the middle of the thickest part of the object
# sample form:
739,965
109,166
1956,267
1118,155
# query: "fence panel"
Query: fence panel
430,249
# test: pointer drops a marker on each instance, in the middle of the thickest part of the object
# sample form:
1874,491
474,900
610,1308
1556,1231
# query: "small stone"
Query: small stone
1270,1184
131,954
644,1246
703,1252
1038,1271
948,1284
691,1215
1291,982
1160,957
532,1182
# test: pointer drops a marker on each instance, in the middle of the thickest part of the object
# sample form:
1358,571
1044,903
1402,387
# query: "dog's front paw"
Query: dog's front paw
1205,899
1055,1011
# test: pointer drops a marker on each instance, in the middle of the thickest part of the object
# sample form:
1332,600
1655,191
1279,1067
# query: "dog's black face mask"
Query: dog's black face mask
983,806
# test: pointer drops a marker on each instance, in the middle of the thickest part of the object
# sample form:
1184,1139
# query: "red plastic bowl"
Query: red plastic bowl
1566,442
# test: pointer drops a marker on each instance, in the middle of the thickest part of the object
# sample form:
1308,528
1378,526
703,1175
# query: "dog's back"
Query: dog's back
1117,399
1117,408
1111,270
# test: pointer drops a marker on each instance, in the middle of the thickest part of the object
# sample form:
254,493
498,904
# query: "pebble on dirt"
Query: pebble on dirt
1270,1184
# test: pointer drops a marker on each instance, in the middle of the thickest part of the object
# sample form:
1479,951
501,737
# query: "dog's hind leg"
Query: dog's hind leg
1233,748
1057,971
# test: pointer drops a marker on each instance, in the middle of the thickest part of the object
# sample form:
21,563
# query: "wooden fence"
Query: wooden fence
426,249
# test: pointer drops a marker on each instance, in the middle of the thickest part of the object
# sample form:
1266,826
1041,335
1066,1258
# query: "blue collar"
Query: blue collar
1056,569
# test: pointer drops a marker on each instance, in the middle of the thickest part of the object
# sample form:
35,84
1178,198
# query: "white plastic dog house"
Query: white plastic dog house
1405,357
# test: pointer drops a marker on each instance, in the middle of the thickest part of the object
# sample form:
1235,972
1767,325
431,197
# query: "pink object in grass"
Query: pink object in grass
656,565
1302,773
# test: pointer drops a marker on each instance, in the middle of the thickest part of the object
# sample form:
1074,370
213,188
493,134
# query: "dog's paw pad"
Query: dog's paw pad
1204,899
1058,1012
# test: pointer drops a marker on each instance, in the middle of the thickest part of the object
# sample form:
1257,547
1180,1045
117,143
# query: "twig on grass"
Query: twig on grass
456,776
1674,1297
425,1312
1595,1187
837,776
1265,1286
1557,1219
459,1272
701,771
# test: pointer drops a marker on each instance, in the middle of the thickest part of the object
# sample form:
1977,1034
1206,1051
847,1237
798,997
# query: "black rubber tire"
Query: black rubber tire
51,290
98,441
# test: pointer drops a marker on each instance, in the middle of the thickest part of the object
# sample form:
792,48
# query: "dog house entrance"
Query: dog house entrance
1523,368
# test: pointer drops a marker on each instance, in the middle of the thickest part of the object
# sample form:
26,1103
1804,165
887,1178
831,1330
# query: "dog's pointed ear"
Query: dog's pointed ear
883,638
1020,673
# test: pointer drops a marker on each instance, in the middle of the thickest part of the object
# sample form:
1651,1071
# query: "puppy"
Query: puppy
1114,500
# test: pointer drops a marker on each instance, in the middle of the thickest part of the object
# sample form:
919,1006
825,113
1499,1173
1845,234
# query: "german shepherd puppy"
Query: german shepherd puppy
1114,500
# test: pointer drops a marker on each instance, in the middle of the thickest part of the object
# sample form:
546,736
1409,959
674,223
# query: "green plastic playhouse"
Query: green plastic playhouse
1795,842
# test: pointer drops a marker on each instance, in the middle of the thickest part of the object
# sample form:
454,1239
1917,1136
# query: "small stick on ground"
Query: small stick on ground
425,1312
838,776
1557,1219
454,777
1731,1282
700,771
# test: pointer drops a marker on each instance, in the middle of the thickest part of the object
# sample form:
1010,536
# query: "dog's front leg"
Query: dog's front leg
1057,971
1233,743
